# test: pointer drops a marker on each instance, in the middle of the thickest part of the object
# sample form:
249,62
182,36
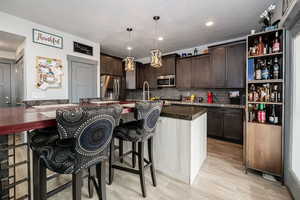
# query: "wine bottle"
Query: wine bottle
276,68
261,46
276,44
258,70
273,119
264,71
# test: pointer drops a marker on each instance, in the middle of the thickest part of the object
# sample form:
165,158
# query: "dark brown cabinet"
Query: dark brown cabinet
144,72
150,75
168,65
215,122
183,73
111,65
218,67
233,125
225,123
139,68
228,66
236,66
201,71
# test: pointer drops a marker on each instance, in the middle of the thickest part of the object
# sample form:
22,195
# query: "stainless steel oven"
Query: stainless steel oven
166,81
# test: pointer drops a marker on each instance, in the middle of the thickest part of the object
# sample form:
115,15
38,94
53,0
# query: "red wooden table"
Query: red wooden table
18,119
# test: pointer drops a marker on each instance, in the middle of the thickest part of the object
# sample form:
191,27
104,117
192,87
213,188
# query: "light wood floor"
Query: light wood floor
222,177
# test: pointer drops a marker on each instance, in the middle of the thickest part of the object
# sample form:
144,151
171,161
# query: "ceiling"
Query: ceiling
10,42
182,22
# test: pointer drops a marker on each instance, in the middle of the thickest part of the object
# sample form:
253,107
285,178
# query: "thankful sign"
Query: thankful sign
48,39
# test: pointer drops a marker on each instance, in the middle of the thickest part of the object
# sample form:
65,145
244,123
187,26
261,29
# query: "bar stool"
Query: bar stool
81,141
137,132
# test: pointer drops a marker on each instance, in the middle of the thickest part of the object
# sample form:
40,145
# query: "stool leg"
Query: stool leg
121,150
152,167
90,182
101,174
133,154
43,181
36,176
111,161
76,186
141,167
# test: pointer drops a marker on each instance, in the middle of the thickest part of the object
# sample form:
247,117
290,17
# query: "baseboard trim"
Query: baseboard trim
292,183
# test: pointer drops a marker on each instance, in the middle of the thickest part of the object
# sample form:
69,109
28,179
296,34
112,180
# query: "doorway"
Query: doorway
82,78
11,68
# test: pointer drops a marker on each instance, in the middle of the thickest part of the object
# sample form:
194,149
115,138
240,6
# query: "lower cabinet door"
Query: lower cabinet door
233,126
214,123
264,147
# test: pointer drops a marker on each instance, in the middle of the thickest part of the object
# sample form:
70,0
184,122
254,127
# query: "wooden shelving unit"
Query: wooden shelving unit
265,141
262,102
266,55
266,81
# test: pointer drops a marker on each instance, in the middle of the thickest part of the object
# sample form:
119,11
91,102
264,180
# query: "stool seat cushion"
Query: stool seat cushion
43,137
132,131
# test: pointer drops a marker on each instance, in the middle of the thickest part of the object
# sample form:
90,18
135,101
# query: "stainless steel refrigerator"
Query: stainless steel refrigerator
110,87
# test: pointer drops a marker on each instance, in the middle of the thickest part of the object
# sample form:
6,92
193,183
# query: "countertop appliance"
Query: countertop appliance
166,81
210,97
110,87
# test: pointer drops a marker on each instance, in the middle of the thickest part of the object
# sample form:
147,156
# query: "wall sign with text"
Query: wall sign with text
47,39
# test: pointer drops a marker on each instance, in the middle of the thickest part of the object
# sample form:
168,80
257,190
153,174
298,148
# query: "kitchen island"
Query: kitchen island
180,143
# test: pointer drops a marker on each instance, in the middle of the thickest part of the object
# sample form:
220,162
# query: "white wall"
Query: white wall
24,28
7,54
296,110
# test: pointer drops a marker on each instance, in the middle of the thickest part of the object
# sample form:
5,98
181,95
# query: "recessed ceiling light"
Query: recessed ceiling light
160,38
209,23
129,48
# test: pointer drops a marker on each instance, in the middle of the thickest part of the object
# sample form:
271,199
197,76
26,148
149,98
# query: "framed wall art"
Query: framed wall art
47,39
49,73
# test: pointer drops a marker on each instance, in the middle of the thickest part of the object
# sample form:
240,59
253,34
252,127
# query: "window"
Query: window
296,109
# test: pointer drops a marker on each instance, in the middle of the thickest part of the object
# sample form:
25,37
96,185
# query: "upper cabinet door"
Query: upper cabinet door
168,65
236,66
183,73
218,67
104,64
111,65
201,72
150,75
139,75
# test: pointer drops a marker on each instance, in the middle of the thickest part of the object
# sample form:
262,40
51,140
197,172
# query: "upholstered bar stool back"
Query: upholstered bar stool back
137,132
84,137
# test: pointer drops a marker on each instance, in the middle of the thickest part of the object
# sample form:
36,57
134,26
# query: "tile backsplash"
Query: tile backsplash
220,95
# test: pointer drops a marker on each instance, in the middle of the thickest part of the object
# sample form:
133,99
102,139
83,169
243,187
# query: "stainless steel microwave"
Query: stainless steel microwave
166,81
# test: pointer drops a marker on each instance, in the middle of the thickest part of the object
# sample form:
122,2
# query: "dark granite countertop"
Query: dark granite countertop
222,105
183,112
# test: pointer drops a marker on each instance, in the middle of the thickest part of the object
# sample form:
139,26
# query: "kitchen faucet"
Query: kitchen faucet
144,90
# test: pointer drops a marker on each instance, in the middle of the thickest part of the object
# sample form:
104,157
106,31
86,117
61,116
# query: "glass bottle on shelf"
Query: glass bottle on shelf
251,93
276,69
264,71
276,44
273,119
270,68
275,94
258,70
261,46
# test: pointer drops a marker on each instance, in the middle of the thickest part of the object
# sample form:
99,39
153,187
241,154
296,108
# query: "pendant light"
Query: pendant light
129,60
156,55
